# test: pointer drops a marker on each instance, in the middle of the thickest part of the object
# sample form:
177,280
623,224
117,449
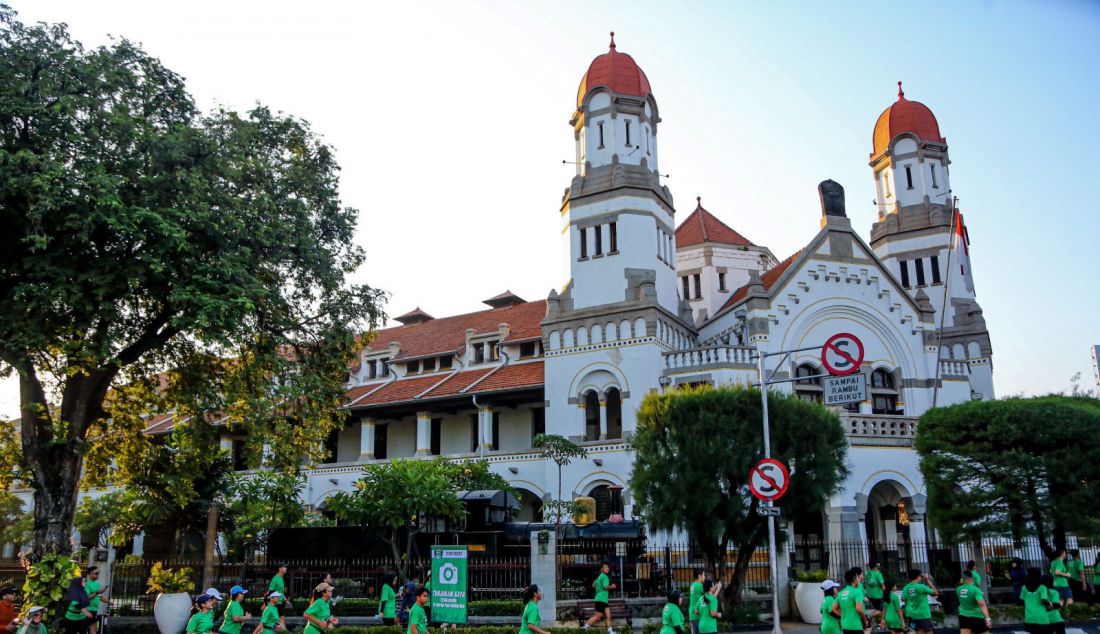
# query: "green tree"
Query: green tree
562,452
1019,466
393,497
695,449
254,505
145,236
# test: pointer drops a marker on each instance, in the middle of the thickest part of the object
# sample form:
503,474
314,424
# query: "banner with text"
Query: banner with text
448,598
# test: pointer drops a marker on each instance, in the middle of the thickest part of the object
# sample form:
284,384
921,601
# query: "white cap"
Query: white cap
829,584
214,593
274,595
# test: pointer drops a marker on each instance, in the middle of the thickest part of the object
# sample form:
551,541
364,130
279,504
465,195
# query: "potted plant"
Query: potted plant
173,604
807,595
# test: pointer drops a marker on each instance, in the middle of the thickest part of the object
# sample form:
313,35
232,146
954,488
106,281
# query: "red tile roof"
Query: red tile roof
394,391
769,278
904,116
448,334
618,71
512,377
701,226
516,376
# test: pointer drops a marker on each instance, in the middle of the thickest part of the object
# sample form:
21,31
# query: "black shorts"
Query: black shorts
1058,628
1035,628
852,631
601,607
387,620
976,624
876,603
922,625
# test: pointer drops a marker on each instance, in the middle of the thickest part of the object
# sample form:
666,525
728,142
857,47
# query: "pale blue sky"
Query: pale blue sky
450,121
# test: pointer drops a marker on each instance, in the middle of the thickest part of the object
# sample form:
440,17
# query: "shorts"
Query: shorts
1058,628
852,631
976,624
1035,628
387,620
601,608
1064,591
876,603
695,627
922,625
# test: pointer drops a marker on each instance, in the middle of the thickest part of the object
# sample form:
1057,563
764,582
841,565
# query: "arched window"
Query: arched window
884,393
807,387
614,406
591,415
602,495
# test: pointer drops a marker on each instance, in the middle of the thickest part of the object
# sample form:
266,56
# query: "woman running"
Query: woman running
1036,603
531,621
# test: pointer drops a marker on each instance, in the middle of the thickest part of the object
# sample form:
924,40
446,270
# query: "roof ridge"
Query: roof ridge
473,312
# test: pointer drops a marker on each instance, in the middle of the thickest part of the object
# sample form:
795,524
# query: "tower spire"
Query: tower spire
612,39
901,93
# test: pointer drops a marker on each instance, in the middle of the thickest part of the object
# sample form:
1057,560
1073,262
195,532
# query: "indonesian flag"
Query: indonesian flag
962,251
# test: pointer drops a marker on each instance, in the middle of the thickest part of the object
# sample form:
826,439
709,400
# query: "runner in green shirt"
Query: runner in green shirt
95,595
893,616
319,613
693,600
602,584
1061,576
1036,600
873,580
202,621
234,616
672,617
278,584
708,607
33,623
830,624
973,612
849,605
269,620
972,566
916,594
387,605
418,618
531,621
1078,583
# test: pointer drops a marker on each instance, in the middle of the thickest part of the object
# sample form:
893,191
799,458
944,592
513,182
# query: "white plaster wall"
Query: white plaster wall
735,261
347,448
871,465
401,438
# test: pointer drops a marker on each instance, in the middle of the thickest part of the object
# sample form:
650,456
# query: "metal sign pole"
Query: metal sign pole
776,629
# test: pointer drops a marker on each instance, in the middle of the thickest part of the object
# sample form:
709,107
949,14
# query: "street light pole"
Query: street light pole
776,629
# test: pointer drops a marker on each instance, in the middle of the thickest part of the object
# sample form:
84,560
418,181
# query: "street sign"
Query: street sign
842,354
765,511
838,390
768,480
448,597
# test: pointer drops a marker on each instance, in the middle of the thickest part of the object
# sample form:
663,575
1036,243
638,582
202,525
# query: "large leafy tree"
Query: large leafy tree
695,448
144,236
254,505
1018,466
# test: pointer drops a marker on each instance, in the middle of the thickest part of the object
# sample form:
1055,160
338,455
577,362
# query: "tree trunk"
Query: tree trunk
211,544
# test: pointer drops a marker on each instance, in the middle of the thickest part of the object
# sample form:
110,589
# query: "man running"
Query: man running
693,599
972,567
602,584
1060,572
278,584
973,611
916,594
874,582
95,596
849,605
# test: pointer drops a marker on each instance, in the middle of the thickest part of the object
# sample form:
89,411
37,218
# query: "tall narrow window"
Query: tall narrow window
687,286
918,267
538,421
698,285
597,232
904,273
647,141
381,439
935,185
886,182
437,436
584,242
627,132
934,261
613,237
722,281
494,351
473,432
494,438
372,369
600,126
909,177
479,353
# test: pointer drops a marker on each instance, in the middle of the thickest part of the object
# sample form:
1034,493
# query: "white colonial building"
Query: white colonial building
652,302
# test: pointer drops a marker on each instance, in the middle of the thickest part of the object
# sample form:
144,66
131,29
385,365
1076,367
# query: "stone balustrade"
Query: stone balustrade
880,430
708,357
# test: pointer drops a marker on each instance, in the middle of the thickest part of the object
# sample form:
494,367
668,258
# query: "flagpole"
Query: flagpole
943,307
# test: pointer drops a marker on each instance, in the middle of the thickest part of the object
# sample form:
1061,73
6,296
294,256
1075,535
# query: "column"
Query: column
544,573
485,417
582,421
423,434
918,534
603,417
366,440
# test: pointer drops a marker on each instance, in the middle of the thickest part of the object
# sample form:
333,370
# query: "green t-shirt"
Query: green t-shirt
531,616
969,595
849,598
977,577
1096,574
1076,568
93,602
916,600
829,623
419,618
707,623
1055,612
874,582
74,613
278,584
270,617
693,598
32,628
893,612
601,584
671,618
387,607
229,626
320,611
201,622
1057,566
1034,610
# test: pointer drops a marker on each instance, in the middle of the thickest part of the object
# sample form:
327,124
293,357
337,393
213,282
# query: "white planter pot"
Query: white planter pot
172,612
808,597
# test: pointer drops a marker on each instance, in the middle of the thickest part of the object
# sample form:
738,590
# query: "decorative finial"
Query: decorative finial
612,39
901,93
698,201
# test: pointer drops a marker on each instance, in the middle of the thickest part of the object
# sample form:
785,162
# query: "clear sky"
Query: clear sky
450,122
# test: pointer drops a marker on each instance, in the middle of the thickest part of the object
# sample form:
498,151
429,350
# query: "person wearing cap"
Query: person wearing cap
270,619
202,621
319,615
34,624
893,616
95,595
672,617
7,609
830,623
234,616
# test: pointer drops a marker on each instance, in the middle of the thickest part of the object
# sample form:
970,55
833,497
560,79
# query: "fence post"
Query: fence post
669,581
544,558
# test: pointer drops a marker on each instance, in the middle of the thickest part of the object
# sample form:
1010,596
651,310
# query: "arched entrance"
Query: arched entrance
530,506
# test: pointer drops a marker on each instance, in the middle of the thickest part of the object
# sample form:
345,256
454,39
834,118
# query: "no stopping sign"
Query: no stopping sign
842,354
769,479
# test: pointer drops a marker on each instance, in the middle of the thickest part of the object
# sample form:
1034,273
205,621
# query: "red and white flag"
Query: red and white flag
962,251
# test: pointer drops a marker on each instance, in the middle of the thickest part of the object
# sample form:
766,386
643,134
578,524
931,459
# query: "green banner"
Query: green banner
448,599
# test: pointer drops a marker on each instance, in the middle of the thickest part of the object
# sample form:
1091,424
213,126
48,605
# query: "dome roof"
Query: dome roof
617,71
905,116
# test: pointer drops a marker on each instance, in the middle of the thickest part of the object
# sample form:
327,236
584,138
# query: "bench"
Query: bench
587,607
